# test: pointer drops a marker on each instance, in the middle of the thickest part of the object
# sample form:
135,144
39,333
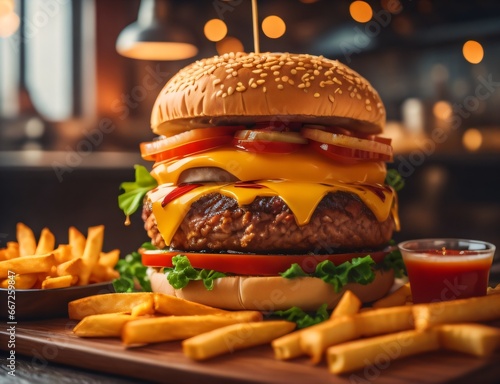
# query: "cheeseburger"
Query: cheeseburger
271,185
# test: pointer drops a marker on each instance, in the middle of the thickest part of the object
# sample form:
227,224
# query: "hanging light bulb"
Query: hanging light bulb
154,36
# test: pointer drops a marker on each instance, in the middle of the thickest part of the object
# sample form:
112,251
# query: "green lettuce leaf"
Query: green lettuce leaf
133,274
134,191
182,273
358,270
394,260
303,319
394,179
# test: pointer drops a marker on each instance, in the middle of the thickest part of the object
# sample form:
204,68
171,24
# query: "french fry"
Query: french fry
70,267
109,259
107,303
26,240
46,242
357,354
101,273
495,290
40,263
144,308
58,282
76,241
316,339
11,252
168,328
234,337
103,325
474,339
288,346
384,320
349,304
26,281
63,253
399,297
93,248
474,309
171,305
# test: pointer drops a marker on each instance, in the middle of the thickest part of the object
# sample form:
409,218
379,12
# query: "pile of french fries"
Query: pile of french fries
393,328
43,266
352,338
144,317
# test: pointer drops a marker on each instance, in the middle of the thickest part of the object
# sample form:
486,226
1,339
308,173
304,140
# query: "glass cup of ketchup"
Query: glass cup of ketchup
447,269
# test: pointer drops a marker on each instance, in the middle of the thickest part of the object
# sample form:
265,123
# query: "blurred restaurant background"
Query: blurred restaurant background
78,81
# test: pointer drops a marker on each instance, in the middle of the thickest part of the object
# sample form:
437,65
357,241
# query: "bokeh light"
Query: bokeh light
361,11
442,110
273,26
472,139
229,44
473,52
6,7
215,30
9,24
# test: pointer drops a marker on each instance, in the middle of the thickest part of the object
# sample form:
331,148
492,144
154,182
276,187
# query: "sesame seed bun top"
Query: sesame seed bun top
240,88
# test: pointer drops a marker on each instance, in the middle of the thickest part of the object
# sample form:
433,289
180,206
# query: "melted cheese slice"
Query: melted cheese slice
304,165
301,197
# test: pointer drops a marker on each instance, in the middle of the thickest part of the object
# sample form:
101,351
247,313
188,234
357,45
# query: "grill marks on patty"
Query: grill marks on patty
216,223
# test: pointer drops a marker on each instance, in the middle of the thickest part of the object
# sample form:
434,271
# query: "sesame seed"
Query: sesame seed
230,91
224,95
331,98
284,78
351,94
263,75
219,92
276,73
264,89
367,101
275,67
316,72
369,108
291,82
358,96
302,85
215,82
261,81
337,81
280,86
253,85
300,68
251,81
241,88
316,94
257,71
293,71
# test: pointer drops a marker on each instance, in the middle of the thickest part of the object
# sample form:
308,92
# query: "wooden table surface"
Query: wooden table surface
51,342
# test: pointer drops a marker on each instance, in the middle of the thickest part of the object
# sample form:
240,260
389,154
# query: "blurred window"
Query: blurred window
48,68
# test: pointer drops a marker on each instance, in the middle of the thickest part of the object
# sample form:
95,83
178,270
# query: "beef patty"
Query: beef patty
215,222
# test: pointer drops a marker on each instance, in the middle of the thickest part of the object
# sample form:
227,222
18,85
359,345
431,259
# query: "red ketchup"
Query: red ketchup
447,274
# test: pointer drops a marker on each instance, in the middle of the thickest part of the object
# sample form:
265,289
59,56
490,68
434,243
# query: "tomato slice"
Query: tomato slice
250,264
347,155
346,132
177,146
267,141
346,148
192,148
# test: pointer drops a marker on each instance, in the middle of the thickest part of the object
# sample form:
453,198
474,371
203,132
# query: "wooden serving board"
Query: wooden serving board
52,341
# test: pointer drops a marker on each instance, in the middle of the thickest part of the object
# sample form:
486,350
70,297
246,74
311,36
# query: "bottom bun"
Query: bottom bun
273,293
